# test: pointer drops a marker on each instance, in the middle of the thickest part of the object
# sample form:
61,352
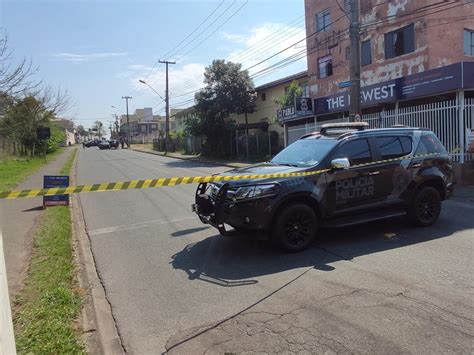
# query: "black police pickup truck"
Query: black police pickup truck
363,175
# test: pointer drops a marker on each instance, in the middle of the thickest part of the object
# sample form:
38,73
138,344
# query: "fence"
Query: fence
143,138
440,117
239,145
188,145
443,118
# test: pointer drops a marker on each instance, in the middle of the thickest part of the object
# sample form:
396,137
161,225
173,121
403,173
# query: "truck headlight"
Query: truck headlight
252,191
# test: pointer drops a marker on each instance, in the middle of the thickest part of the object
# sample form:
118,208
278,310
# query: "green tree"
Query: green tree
99,128
228,90
81,130
21,121
288,98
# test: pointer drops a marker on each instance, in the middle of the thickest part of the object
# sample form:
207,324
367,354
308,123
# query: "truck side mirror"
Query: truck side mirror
340,164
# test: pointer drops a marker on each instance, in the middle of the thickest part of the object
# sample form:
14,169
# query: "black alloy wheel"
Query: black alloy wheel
295,227
426,207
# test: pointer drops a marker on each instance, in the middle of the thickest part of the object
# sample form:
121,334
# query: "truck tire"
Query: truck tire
295,227
425,207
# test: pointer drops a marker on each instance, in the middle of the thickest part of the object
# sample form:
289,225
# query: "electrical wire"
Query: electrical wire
441,6
169,53
300,55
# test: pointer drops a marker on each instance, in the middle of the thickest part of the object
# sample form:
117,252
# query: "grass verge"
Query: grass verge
47,309
13,170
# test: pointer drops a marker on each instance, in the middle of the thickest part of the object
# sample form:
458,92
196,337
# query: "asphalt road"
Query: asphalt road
167,276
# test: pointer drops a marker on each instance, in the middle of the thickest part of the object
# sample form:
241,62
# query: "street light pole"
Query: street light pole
151,87
116,122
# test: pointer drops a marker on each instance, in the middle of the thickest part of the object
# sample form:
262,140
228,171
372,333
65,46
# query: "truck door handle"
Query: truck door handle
372,173
416,165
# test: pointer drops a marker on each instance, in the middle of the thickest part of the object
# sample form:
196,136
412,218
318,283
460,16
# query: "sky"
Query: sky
98,50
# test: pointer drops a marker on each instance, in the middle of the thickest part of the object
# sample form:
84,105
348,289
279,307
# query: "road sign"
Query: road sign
344,84
52,181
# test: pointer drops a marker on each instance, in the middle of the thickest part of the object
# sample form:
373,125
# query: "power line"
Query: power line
255,49
190,34
227,20
269,41
275,54
441,6
285,49
216,29
300,55
169,53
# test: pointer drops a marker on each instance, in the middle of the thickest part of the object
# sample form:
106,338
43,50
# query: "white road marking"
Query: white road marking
136,225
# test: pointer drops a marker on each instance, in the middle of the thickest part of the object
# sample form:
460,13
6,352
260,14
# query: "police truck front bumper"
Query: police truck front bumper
217,209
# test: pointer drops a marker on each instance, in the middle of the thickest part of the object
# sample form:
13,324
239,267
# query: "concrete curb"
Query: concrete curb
7,337
203,160
101,334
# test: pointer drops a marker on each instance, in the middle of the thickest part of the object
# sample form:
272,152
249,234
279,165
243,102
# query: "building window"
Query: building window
304,89
325,66
366,53
264,96
399,42
323,21
468,42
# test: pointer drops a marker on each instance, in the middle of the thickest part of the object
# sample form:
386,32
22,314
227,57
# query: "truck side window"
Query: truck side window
390,147
357,151
406,145
430,144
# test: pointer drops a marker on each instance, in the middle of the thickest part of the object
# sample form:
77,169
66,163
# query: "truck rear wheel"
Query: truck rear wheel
295,227
425,207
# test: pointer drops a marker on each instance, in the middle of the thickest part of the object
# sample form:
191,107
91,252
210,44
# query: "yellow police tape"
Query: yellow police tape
174,181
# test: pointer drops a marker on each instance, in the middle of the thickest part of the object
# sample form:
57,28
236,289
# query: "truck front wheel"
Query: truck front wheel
295,227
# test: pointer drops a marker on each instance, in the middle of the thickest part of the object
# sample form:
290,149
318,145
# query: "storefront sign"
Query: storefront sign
445,79
286,113
303,107
50,181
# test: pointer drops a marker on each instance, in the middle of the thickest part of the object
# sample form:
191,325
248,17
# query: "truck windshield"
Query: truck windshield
304,152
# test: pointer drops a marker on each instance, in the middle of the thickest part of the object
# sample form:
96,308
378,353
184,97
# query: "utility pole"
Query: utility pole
116,127
354,31
167,101
128,119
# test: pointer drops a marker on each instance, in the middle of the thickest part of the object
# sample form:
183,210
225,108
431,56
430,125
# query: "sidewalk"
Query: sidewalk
221,162
18,220
464,192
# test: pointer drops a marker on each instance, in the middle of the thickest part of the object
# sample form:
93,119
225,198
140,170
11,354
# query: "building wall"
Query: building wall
181,116
267,109
436,43
70,137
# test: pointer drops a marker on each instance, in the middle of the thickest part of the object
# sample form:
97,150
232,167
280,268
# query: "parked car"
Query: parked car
114,143
92,143
104,145
368,174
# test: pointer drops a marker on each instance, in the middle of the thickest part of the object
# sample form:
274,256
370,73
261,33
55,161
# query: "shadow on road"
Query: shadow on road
235,261
32,209
188,231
